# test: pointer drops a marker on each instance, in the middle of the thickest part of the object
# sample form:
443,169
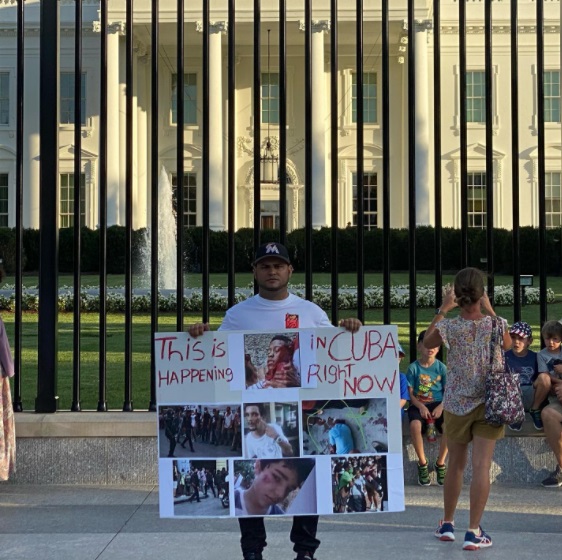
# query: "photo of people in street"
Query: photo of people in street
359,484
272,361
200,488
341,427
271,430
274,487
200,430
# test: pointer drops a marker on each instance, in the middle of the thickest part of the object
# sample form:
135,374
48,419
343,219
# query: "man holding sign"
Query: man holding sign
273,308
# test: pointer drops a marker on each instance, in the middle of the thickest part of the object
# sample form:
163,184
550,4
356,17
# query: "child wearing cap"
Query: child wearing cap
426,382
523,361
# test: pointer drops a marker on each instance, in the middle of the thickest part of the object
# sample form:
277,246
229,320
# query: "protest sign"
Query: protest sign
283,423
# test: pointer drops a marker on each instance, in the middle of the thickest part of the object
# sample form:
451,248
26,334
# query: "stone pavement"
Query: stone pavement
118,522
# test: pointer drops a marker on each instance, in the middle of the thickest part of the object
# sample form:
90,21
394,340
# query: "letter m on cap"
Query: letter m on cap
271,248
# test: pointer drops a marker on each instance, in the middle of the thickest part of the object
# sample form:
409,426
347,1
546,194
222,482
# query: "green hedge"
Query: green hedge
321,249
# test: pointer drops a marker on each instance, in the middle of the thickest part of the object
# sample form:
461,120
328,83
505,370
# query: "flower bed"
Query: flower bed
193,299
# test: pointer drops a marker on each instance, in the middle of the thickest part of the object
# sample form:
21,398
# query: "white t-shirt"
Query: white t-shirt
228,418
264,447
259,314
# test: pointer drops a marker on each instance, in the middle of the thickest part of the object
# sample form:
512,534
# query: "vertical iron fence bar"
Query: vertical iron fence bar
154,203
360,163
18,404
386,161
412,174
463,134
179,167
282,122
102,351
128,389
334,151
515,162
75,406
257,125
489,149
206,166
541,162
437,150
47,399
231,155
308,147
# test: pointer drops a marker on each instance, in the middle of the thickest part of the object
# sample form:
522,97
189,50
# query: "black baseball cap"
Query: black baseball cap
272,249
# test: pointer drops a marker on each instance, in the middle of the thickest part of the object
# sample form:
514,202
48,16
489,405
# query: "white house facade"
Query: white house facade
321,120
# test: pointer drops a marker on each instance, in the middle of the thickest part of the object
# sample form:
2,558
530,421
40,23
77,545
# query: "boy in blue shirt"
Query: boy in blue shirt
426,381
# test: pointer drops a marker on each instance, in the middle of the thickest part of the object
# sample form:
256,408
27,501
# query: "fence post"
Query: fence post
46,400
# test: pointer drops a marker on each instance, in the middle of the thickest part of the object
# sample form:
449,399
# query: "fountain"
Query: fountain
167,240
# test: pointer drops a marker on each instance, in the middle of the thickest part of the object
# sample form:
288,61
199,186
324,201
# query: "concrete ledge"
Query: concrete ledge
121,448
86,424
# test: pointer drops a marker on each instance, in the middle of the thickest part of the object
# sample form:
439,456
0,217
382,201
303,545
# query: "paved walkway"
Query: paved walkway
119,522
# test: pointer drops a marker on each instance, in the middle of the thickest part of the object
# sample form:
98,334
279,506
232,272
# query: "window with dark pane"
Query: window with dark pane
67,98
189,98
66,199
370,200
189,198
476,200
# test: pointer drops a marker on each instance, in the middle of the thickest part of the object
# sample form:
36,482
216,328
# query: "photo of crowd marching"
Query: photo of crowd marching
200,430
274,487
271,430
341,427
359,484
200,488
272,361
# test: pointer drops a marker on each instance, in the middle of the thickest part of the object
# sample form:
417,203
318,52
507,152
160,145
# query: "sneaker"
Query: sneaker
516,427
423,475
445,531
474,542
536,416
554,480
305,556
440,472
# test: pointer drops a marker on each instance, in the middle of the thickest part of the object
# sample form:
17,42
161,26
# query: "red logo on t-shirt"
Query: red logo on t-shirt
291,321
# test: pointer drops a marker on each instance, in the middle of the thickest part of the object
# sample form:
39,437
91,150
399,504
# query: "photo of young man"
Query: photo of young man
265,439
274,486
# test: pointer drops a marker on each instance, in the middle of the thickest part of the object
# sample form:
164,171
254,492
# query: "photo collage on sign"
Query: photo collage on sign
274,448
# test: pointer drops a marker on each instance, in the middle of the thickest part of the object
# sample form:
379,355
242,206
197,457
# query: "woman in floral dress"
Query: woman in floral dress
467,338
7,427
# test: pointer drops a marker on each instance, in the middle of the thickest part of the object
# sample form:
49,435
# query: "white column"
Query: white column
421,133
140,216
318,124
31,144
217,196
113,101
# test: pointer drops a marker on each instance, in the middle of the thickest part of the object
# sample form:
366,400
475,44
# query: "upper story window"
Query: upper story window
370,200
67,98
475,96
552,96
3,200
270,98
369,98
189,198
476,183
4,98
553,206
189,99
67,199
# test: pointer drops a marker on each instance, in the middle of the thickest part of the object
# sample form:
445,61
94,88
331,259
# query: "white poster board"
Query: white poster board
282,423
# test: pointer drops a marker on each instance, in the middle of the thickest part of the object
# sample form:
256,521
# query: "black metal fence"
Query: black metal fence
46,400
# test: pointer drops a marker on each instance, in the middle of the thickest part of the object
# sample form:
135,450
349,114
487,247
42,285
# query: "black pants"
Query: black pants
187,438
303,534
172,448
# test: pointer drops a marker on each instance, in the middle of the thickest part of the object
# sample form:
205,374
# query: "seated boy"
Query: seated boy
549,361
274,480
404,391
426,381
523,361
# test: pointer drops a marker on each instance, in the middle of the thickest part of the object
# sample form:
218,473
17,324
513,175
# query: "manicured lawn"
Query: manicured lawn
89,362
